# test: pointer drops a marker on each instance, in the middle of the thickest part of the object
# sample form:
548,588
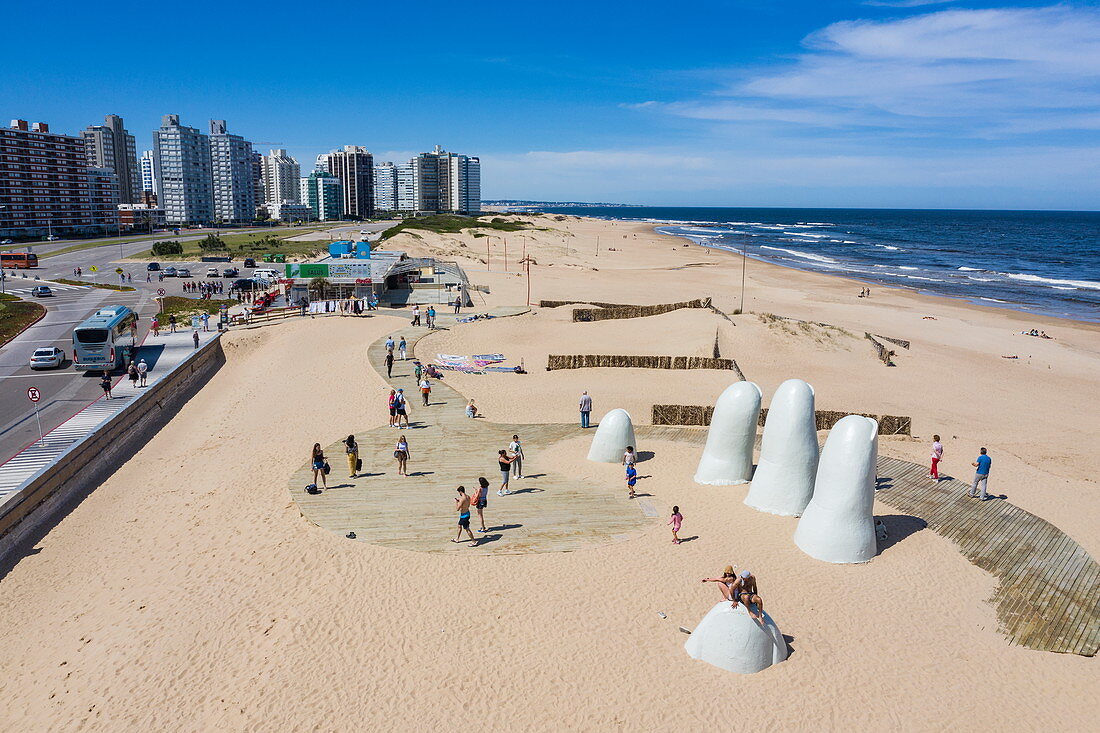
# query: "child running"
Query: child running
631,479
676,520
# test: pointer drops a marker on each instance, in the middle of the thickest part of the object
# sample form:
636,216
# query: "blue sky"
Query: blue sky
880,103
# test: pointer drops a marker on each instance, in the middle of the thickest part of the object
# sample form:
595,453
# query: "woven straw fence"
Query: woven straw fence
900,342
825,419
884,353
609,313
589,361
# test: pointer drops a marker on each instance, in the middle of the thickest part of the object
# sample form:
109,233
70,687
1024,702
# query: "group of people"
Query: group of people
205,289
979,486
740,588
428,316
1036,333
137,372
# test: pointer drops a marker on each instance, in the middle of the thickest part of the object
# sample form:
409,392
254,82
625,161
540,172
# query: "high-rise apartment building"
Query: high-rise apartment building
148,164
43,182
385,187
112,147
258,181
322,163
354,167
185,183
439,182
282,178
103,194
231,174
324,196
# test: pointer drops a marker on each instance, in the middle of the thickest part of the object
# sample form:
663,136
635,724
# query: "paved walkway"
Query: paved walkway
1049,587
547,511
163,353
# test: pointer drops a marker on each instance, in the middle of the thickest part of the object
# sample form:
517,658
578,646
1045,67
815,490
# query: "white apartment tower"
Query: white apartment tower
439,182
148,164
234,197
184,183
282,176
385,187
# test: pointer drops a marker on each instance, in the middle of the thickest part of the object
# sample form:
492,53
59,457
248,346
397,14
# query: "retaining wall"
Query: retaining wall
825,419
88,463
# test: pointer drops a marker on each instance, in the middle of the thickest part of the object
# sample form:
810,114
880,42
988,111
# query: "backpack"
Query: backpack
312,489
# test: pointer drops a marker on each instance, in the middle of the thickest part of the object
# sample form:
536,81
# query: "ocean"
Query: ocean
1044,262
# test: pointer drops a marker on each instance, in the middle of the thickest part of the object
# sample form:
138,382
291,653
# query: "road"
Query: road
65,391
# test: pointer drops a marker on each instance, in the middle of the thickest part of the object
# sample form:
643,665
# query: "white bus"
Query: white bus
105,340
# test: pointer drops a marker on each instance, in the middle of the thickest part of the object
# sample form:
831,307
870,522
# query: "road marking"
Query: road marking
33,376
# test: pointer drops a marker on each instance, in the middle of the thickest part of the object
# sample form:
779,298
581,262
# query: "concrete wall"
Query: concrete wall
52,493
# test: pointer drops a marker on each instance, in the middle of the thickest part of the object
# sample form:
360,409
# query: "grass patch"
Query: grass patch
184,308
16,315
104,286
453,224
249,244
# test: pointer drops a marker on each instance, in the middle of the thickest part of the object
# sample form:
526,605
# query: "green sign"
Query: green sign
307,270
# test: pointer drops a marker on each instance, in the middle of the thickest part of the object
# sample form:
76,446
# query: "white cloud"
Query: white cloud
904,3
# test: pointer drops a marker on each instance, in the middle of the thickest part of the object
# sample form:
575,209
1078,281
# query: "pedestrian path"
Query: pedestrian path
166,352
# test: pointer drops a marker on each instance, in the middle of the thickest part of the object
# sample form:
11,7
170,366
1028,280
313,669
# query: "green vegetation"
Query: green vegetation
16,315
167,248
244,244
104,286
183,308
453,224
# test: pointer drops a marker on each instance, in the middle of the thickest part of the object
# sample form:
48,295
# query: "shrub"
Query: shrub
167,248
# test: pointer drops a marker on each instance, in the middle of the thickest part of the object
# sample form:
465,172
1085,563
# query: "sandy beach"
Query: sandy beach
188,593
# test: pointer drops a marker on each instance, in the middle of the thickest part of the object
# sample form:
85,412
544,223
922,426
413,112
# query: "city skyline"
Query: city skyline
878,103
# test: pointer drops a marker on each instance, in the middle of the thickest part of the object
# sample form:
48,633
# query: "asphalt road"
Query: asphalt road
65,391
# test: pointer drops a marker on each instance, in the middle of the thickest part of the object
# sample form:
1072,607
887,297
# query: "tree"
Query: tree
318,286
167,248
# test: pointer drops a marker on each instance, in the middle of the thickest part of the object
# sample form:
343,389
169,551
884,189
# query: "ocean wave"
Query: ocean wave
890,247
815,258
993,300
907,267
807,234
1050,281
970,269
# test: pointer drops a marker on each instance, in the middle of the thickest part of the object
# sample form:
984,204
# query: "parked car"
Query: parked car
52,238
249,262
183,272
230,272
212,272
153,266
6,241
267,274
169,271
246,283
49,357
41,291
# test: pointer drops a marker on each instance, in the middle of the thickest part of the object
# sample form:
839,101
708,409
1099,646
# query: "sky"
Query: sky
807,103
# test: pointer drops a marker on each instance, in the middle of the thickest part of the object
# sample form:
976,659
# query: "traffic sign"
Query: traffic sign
118,270
161,291
93,268
34,394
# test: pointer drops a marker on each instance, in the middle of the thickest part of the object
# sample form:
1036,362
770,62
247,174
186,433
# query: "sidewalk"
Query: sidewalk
163,354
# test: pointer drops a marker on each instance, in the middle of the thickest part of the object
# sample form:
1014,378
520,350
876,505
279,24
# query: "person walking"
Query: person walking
418,371
505,469
390,344
172,324
981,477
481,500
630,457
393,408
458,305
631,479
937,456
425,390
586,409
431,317
401,453
389,364
416,315
402,406
401,347
205,318
155,325
462,506
351,448
143,371
676,520
516,449
320,465
195,336
132,371
105,384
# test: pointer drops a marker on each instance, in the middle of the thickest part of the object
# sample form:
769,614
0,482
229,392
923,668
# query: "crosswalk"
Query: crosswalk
35,457
51,286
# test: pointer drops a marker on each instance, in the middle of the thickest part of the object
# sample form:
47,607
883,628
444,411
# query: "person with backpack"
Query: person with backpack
320,465
351,448
402,407
132,371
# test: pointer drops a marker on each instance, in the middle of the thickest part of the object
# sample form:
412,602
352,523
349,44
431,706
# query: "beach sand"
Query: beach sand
187,593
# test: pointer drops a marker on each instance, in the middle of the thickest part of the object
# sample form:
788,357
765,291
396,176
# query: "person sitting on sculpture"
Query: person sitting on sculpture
744,590
725,583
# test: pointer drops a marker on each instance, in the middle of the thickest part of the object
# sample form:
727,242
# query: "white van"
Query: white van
266,274
213,272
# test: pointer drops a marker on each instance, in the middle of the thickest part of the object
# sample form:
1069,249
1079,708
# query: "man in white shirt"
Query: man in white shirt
517,452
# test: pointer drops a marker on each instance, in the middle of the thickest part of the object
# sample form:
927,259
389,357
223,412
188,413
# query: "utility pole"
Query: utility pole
505,253
744,262
597,245
487,241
